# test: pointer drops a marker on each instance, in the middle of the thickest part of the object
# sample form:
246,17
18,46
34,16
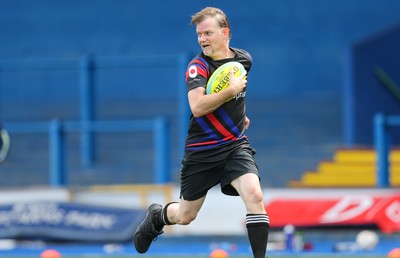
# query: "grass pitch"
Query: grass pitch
202,256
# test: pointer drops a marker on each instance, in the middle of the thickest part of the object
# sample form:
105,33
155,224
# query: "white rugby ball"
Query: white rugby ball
367,239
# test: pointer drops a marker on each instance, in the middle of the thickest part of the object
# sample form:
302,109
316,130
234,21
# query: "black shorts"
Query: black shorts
197,177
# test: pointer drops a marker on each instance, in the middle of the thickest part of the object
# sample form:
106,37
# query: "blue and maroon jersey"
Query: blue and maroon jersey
216,132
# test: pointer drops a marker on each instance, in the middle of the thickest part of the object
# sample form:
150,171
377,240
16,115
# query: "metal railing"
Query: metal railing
382,124
58,130
86,66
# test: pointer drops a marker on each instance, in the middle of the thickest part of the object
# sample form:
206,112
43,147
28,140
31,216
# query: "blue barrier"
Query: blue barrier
57,133
382,146
63,221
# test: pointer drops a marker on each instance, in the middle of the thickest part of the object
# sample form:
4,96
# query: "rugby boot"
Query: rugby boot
146,231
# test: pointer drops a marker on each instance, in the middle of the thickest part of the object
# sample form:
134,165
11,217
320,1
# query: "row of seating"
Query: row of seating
350,168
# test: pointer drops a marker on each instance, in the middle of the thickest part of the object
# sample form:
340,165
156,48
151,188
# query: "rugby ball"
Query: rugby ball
367,239
219,80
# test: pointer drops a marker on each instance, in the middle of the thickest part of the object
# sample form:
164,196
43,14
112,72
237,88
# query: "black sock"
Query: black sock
157,221
161,218
257,229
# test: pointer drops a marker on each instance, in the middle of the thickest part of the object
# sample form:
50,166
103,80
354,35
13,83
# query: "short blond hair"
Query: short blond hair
215,13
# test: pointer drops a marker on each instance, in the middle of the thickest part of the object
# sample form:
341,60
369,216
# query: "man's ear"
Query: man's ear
226,32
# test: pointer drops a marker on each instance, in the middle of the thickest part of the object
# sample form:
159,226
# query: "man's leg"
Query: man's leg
257,230
257,220
157,217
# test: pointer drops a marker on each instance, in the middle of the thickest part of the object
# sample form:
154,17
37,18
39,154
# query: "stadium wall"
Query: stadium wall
365,94
297,46
295,93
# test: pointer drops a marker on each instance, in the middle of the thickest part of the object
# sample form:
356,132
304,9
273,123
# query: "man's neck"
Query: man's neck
227,53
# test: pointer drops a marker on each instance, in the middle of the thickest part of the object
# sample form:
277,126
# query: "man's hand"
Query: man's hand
246,123
237,84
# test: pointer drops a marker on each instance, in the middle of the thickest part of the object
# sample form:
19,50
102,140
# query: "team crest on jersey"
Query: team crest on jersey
192,71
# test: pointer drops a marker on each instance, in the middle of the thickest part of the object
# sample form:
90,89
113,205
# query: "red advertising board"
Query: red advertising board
365,209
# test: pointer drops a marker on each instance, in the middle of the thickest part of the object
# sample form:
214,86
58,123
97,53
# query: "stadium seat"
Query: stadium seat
350,168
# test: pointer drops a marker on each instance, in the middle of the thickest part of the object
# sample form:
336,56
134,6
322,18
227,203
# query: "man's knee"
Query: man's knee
187,218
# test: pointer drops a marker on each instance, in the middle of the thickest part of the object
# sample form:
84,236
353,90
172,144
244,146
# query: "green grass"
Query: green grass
201,256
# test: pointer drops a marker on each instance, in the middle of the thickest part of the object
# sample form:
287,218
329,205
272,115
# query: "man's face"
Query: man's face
211,37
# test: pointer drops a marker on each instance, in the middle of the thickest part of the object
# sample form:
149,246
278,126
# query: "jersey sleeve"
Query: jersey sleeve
197,73
245,58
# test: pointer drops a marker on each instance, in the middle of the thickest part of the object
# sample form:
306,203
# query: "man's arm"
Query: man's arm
202,104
